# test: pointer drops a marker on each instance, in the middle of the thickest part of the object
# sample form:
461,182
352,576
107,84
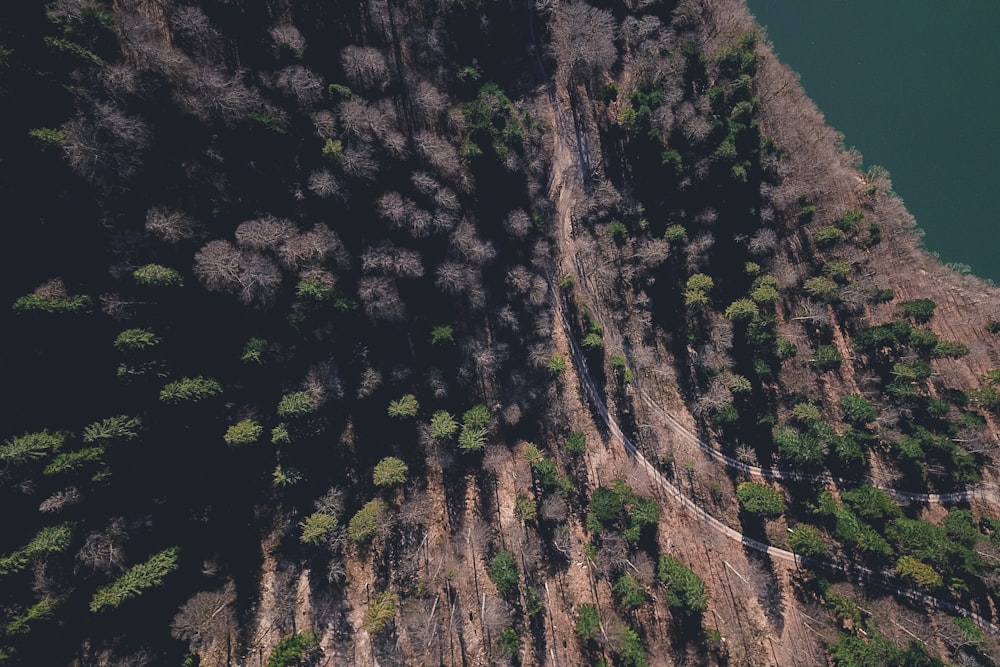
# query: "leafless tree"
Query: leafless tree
698,250
60,500
583,41
120,80
429,103
381,298
287,36
455,277
437,384
469,246
331,502
519,279
517,223
418,222
366,67
421,620
612,556
443,221
441,155
390,260
192,25
223,267
355,117
323,382
746,454
323,183
103,144
301,83
110,657
495,615
694,125
482,357
424,183
393,207
104,550
763,242
171,225
53,289
716,396
207,621
71,12
553,508
815,314
512,413
325,123
369,382
647,254
359,161
264,233
313,247
507,318
206,92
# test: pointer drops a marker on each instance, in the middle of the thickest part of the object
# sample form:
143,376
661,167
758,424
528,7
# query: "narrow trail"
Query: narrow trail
565,187
782,474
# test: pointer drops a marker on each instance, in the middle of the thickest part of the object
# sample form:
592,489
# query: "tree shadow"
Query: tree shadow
769,595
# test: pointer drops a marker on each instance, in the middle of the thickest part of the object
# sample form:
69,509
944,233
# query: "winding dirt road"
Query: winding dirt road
565,188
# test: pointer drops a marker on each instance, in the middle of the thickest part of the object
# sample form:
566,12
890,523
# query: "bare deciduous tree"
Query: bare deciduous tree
553,508
517,223
287,36
61,500
264,233
207,621
763,242
437,384
223,267
301,83
207,92
103,144
519,279
71,12
323,382
429,104
369,382
171,225
469,246
359,161
366,67
323,183
104,550
120,80
325,122
455,277
381,298
192,25
583,40
443,156
313,247
390,260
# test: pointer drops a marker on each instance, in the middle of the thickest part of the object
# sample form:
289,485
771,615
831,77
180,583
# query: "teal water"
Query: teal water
914,85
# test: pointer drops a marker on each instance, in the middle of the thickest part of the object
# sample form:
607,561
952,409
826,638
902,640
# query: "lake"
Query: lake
914,85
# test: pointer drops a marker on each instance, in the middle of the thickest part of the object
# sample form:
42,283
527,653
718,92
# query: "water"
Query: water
914,85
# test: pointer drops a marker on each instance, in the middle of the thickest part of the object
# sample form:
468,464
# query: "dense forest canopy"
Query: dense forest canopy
471,332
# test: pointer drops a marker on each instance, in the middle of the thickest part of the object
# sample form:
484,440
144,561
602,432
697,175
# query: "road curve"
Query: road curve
852,571
562,189
781,474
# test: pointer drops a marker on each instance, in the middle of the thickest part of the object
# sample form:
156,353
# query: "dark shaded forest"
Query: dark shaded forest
466,332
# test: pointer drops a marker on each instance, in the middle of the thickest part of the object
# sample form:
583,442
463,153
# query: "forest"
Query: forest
464,332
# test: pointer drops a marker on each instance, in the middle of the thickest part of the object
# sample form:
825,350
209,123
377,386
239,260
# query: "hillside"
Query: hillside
466,333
